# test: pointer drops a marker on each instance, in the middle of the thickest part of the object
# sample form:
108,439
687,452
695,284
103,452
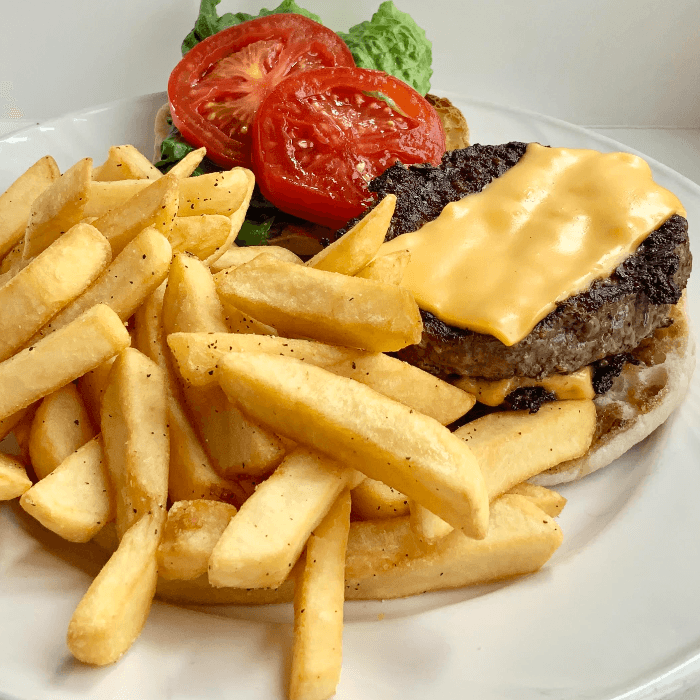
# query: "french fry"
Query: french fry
388,268
7,425
513,446
191,475
60,358
75,500
91,387
333,308
186,166
236,256
140,267
318,608
263,542
198,354
234,443
48,283
58,208
190,534
16,202
200,236
22,430
214,193
352,423
155,206
237,218
373,500
108,195
13,478
61,425
238,322
126,163
112,613
135,437
351,252
427,526
549,501
386,560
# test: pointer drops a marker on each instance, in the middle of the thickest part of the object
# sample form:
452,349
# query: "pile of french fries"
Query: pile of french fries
229,419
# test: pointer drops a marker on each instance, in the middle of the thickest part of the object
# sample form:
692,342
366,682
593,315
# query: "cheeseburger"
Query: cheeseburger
548,273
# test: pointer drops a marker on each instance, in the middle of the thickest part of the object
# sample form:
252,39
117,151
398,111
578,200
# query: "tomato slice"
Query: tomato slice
322,135
217,87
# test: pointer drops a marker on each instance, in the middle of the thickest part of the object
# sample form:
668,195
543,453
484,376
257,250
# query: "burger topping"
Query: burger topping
498,261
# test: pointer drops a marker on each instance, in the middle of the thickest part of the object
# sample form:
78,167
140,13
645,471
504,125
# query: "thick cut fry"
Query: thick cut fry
235,444
22,430
513,446
198,354
106,196
154,206
58,208
16,202
333,308
354,424
265,539
318,609
237,218
126,163
124,285
60,358
200,236
113,612
191,474
75,500
549,501
92,387
214,193
61,425
135,437
236,256
7,425
186,166
427,526
300,301
351,252
388,268
51,281
190,534
13,478
238,322
385,559
373,500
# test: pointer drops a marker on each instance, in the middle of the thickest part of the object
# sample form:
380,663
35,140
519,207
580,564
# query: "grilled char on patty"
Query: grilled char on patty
611,317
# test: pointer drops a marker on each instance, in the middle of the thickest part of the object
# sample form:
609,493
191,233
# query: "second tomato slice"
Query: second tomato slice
320,136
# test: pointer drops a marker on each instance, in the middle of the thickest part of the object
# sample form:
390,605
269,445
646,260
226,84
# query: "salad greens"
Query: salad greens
391,41
209,22
252,233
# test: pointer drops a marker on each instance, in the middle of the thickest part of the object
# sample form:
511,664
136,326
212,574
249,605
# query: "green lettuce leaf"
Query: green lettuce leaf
391,41
209,22
252,233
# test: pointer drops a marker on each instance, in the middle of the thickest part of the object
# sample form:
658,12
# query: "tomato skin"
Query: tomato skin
330,187
289,43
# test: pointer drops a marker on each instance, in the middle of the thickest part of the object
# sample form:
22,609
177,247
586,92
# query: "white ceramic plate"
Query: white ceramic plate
614,614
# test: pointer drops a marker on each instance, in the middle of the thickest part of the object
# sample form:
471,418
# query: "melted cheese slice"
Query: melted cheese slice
498,261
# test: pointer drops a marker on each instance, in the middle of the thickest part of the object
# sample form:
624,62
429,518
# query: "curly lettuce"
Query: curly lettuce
209,23
391,41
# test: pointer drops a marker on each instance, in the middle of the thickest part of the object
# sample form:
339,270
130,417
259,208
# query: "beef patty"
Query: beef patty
611,317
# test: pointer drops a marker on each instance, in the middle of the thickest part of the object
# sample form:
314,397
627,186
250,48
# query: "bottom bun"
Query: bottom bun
640,400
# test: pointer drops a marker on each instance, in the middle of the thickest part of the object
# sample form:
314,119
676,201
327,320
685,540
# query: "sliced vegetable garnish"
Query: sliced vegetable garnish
322,135
216,89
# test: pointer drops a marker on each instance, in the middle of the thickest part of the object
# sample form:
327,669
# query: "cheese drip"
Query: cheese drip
498,261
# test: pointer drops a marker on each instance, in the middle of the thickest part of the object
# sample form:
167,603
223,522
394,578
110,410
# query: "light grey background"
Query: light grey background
591,62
